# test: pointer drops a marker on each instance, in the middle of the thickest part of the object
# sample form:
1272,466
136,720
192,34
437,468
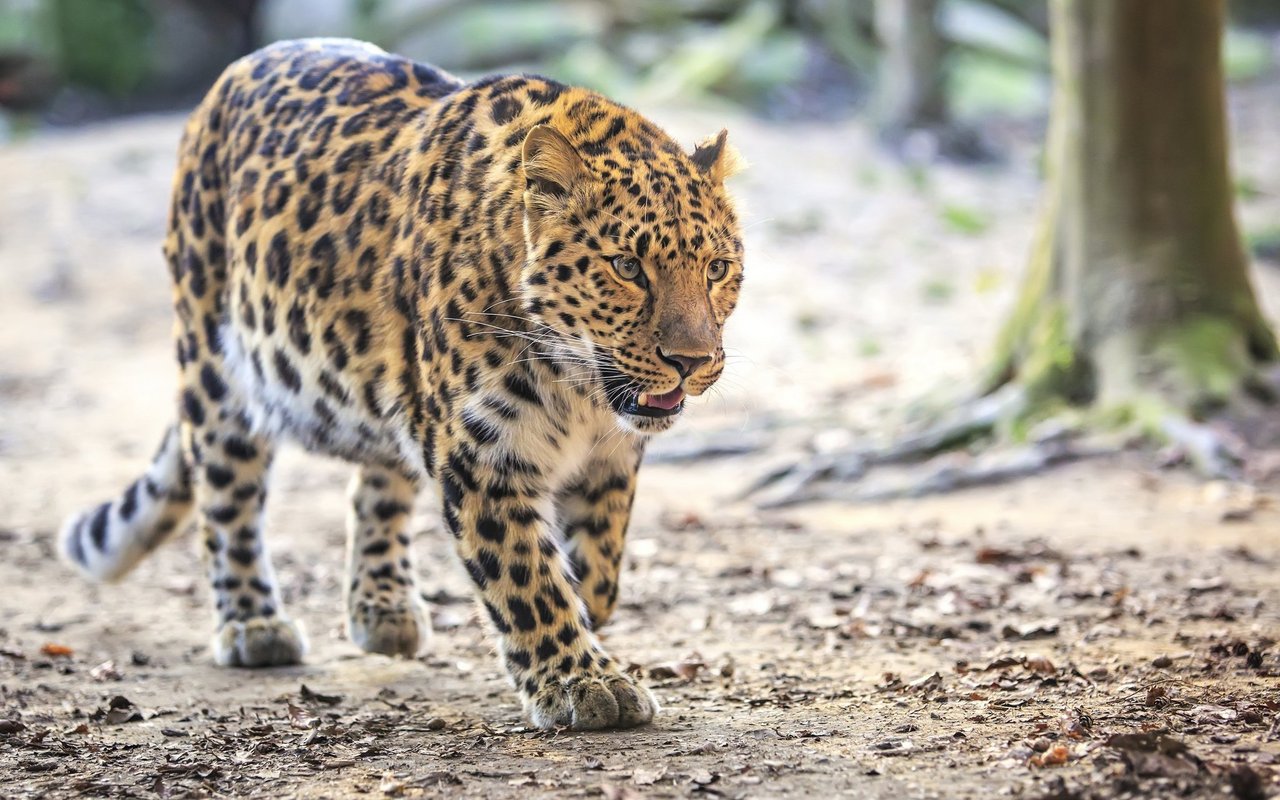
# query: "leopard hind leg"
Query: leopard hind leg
384,609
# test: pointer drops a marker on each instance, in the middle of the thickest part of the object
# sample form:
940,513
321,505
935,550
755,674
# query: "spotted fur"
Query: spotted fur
503,287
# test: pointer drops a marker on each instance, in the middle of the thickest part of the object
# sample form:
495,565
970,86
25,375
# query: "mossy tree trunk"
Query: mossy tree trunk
1136,301
1137,295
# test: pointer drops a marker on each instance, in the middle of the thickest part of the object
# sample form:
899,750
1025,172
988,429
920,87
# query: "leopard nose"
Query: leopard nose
686,365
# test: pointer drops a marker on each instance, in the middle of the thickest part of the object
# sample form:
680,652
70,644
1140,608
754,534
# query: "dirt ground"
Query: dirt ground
1105,630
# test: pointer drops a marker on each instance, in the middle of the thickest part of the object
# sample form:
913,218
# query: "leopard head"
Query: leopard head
634,263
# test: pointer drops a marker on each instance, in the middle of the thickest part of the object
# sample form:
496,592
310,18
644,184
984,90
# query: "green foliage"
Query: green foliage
801,223
846,28
999,63
523,27
1050,366
988,28
102,43
1246,54
963,219
1246,188
920,178
1264,243
937,291
367,13
809,321
590,64
779,60
988,280
19,26
710,57
981,84
1206,356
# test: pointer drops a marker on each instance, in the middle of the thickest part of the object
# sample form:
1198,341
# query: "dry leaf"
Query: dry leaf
323,699
1039,665
57,650
121,710
1031,630
686,669
647,776
1055,756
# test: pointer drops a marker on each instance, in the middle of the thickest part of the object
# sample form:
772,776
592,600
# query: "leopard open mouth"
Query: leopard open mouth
647,404
626,397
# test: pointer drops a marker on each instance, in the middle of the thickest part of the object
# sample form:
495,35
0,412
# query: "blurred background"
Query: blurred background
918,126
898,167
71,61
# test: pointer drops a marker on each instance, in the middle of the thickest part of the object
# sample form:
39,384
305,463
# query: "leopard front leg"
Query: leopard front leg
383,610
594,511
501,513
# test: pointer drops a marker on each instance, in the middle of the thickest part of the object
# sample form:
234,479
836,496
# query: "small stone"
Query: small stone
1162,662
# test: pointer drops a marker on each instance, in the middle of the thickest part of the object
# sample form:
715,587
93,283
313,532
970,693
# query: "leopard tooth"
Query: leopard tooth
642,398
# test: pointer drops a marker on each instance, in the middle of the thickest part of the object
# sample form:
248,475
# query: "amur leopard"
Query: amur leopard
505,286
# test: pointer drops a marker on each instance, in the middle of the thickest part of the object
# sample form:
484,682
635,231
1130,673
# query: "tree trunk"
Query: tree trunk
1137,294
911,86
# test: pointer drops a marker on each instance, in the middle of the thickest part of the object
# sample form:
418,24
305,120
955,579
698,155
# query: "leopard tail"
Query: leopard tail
110,539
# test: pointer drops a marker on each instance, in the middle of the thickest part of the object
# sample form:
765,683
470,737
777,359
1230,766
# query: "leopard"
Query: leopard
503,288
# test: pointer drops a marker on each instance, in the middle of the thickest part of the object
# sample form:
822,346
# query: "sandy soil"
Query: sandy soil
1028,640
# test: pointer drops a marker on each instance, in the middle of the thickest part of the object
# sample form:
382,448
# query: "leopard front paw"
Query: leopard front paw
606,698
259,642
395,631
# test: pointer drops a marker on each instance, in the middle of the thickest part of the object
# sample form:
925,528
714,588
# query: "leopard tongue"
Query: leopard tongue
666,401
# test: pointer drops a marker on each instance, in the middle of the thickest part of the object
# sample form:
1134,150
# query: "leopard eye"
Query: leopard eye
717,270
628,267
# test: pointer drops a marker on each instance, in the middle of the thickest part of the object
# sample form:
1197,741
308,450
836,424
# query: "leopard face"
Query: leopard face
632,269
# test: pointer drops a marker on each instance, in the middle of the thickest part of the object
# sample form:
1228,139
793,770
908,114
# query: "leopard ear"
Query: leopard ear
552,166
716,158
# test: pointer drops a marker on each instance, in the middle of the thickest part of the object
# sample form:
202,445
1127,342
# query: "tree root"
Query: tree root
1214,450
685,449
946,473
1214,453
794,483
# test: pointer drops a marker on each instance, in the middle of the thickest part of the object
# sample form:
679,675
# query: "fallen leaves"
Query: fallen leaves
9,726
309,696
894,747
647,776
1033,550
1154,754
1055,756
686,669
1246,783
1039,665
119,710
1036,629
